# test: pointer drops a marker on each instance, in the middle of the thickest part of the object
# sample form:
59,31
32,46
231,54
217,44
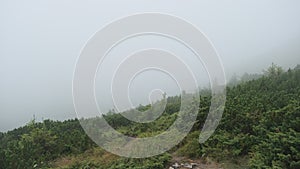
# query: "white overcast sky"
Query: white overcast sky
40,41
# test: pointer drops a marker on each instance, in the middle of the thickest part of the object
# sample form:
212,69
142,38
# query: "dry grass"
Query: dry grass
96,156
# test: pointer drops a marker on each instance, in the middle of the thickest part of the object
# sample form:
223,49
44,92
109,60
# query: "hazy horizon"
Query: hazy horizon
41,41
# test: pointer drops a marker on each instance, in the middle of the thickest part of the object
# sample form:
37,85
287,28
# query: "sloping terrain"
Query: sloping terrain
260,128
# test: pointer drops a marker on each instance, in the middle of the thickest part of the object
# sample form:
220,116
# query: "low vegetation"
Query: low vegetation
260,127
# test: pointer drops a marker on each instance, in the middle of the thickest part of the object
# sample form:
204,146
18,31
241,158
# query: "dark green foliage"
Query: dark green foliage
279,143
190,146
38,143
261,121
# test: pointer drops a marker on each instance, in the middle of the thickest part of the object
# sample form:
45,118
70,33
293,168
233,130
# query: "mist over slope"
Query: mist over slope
260,124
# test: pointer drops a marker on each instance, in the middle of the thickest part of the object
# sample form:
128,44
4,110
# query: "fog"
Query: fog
40,42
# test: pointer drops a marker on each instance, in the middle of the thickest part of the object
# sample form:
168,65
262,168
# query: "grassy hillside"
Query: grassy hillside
260,128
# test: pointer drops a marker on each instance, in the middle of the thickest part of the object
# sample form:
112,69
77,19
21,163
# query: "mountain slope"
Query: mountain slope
260,124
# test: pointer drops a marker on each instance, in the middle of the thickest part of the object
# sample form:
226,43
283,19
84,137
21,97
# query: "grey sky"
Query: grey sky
41,40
